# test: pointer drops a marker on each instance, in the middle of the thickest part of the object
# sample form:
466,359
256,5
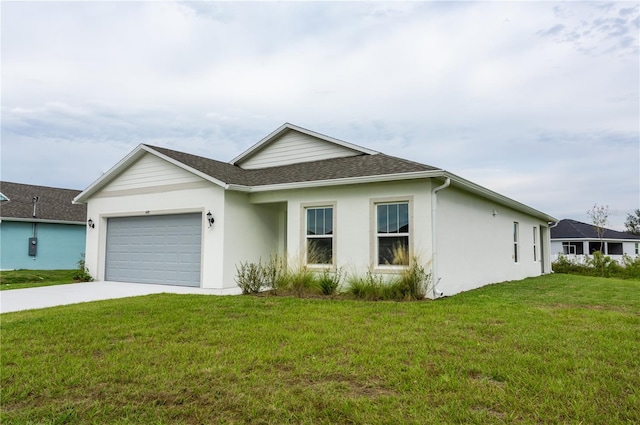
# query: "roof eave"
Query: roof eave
344,181
594,239
39,220
501,199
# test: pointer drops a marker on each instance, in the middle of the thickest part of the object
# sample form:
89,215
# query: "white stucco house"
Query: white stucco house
162,216
576,240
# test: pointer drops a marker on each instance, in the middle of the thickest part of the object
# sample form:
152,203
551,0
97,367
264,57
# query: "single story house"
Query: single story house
40,228
169,217
576,239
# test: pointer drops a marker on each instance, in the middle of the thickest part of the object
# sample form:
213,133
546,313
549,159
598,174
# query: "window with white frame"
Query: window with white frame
637,248
392,233
319,235
535,244
516,239
572,248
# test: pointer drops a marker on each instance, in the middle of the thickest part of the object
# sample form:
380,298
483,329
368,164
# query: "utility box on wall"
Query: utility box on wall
33,246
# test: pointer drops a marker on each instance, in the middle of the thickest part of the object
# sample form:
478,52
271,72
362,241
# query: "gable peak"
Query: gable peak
290,144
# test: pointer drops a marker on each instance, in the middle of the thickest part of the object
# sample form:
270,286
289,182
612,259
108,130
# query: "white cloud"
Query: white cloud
535,91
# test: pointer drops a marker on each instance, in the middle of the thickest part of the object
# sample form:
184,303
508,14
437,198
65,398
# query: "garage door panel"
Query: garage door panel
155,249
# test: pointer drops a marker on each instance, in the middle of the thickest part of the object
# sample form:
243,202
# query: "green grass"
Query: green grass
19,279
553,349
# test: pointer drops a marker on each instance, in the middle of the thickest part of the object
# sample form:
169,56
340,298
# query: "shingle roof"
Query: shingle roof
571,229
53,203
328,169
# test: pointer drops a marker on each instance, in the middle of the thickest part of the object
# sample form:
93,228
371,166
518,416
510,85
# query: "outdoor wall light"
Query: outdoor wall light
210,219
90,224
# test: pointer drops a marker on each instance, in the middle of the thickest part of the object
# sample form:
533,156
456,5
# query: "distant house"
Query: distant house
40,228
169,217
577,239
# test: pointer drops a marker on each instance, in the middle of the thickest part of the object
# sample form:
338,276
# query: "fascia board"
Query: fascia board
187,168
238,188
456,180
594,240
38,220
287,126
494,196
125,162
345,181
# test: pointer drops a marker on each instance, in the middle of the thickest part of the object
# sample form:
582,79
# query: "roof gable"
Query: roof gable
291,144
572,229
131,159
53,204
150,171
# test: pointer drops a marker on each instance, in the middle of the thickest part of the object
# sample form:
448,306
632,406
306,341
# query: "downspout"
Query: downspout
551,225
434,237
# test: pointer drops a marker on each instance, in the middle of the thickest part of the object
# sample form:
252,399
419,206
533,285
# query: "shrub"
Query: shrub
250,277
599,264
82,272
566,265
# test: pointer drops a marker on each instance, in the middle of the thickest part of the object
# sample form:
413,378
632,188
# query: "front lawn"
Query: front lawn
553,349
19,279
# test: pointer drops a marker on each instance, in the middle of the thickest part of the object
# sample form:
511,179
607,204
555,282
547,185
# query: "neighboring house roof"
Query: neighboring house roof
362,166
572,229
53,204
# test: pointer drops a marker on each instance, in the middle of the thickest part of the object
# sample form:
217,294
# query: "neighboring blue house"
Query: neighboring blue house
40,228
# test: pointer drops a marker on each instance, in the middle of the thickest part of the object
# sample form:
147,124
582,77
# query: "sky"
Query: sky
538,101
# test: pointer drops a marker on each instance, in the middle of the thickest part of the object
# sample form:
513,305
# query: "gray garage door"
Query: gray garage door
161,249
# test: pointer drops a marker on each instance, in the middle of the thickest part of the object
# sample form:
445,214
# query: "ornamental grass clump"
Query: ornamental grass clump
302,281
370,287
411,281
414,281
275,273
329,282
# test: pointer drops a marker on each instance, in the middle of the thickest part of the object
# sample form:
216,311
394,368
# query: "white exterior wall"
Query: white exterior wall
354,227
475,247
295,147
251,233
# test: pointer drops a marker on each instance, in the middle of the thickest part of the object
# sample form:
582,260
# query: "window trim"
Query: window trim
373,244
303,234
572,246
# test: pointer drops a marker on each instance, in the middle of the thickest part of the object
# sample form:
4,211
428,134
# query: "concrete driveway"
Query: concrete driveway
51,296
